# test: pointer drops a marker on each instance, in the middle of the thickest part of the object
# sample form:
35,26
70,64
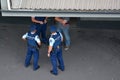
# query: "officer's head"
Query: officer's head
53,29
32,28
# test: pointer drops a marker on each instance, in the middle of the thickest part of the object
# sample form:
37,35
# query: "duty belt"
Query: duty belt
33,46
57,47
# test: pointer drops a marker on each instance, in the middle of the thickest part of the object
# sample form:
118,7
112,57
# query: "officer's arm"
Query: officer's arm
49,50
50,47
46,18
23,39
59,19
62,21
36,21
39,43
45,21
24,36
37,39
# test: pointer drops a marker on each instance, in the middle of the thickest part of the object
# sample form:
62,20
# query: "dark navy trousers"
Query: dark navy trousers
56,57
41,31
35,53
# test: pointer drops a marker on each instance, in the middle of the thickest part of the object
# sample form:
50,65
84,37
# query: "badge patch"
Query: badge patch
50,41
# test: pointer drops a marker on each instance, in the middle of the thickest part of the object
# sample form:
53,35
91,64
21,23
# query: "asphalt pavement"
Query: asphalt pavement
94,54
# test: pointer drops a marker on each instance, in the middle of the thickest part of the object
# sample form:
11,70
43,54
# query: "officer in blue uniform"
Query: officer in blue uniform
55,50
41,23
33,42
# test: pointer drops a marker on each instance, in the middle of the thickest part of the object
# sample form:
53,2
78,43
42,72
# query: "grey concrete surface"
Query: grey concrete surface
94,55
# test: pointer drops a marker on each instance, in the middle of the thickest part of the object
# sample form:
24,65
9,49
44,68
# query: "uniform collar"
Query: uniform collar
32,32
54,33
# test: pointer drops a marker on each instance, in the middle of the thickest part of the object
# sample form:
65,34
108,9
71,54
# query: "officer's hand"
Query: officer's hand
64,22
48,55
41,22
45,21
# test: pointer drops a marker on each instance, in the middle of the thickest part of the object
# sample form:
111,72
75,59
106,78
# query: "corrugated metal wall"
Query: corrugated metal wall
67,4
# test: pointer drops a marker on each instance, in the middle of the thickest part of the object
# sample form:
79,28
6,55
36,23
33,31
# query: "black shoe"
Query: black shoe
27,65
53,73
61,68
66,48
36,68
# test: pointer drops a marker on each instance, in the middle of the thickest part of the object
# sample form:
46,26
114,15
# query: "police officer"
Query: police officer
41,23
55,50
33,42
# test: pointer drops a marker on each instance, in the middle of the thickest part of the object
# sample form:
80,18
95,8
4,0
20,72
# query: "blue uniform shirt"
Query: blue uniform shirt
32,39
55,39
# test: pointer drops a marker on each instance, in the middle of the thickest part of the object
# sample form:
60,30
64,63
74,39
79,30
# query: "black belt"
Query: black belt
31,46
57,47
